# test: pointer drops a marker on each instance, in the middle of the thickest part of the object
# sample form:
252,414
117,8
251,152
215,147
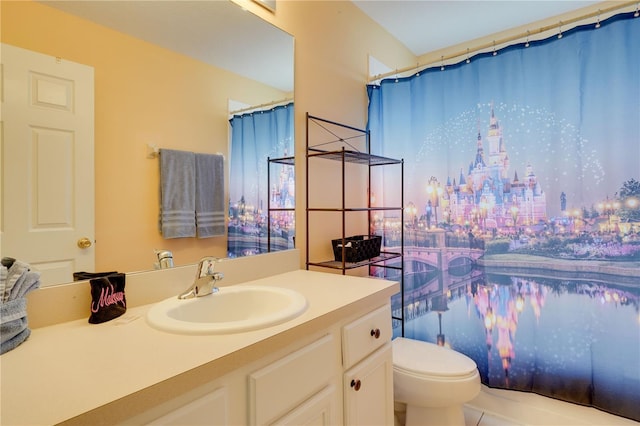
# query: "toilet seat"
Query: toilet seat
423,359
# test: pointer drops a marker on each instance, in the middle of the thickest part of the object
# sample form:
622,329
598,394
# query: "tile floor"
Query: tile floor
495,407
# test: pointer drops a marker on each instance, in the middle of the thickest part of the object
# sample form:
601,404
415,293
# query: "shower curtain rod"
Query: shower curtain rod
268,104
499,42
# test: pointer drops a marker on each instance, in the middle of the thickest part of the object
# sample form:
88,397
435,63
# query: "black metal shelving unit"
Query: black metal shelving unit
341,148
285,161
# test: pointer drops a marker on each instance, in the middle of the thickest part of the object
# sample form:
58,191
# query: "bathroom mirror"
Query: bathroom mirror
252,52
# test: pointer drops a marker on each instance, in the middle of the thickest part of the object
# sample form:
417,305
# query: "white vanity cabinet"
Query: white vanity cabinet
341,376
368,361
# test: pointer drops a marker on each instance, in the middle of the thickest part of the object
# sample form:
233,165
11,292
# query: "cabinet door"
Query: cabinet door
210,409
368,390
280,387
319,410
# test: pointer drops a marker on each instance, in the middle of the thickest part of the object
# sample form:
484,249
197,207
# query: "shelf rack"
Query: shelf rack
347,153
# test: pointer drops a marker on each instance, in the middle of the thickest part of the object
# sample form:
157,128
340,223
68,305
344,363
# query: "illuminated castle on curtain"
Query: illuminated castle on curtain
487,196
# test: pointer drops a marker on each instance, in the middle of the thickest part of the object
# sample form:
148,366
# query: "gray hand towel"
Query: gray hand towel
210,217
30,280
177,193
13,324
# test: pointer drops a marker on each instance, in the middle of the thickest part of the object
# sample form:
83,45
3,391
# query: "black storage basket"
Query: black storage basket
357,247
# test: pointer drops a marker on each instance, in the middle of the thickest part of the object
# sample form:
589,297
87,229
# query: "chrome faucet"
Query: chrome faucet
165,259
205,281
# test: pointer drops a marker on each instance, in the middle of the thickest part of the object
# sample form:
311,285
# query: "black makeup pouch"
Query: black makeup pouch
107,298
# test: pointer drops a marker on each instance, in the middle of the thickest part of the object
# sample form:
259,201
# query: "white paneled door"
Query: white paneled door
47,163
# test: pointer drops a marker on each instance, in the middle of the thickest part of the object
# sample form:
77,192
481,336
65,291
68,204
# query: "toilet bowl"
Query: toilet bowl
431,383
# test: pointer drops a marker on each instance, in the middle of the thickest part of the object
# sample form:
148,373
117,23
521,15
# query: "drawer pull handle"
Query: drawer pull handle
375,333
355,384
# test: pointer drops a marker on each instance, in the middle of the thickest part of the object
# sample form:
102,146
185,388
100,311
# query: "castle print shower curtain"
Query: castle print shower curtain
522,217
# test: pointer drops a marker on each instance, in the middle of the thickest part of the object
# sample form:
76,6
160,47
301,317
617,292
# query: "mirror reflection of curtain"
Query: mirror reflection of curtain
529,159
255,137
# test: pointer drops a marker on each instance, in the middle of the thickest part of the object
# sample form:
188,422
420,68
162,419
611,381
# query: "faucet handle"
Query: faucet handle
206,266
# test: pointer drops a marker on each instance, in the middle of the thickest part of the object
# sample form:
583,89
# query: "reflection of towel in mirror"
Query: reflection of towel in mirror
13,324
17,281
210,217
177,193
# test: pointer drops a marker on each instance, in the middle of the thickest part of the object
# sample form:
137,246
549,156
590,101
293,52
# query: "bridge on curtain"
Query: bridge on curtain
419,259
433,275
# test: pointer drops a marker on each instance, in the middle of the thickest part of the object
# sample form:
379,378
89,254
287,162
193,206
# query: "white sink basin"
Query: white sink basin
232,309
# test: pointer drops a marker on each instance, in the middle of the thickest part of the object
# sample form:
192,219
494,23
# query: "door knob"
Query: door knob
84,243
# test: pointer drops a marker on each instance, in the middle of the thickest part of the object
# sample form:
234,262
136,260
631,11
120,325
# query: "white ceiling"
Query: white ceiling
425,26
220,33
217,32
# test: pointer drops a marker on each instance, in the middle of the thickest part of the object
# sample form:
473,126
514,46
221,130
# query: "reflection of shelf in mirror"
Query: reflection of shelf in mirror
282,209
287,161
352,209
337,264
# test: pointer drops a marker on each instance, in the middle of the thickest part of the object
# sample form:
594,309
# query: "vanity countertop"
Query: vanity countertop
78,369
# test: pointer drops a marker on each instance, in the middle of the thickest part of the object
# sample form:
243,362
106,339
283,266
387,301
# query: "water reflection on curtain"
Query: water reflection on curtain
255,137
522,226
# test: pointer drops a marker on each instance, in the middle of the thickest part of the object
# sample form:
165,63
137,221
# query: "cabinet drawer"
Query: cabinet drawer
365,335
279,387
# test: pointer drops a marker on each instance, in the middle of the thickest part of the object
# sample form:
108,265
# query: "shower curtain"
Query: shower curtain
522,224
256,137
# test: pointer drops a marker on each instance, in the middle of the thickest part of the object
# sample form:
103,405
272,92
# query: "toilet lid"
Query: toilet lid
424,358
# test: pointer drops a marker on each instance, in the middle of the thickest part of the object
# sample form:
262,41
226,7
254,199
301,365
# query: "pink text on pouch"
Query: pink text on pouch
108,296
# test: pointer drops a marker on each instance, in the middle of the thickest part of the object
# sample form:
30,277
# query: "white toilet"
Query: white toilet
431,383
